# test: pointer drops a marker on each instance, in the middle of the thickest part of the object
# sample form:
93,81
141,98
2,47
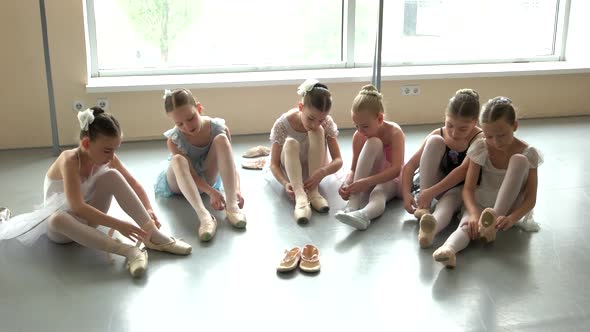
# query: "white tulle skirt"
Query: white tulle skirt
28,227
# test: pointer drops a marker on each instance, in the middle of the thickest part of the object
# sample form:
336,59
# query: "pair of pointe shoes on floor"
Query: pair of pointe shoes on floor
138,265
307,258
302,212
487,233
208,228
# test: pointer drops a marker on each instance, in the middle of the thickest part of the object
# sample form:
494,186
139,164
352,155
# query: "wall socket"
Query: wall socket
410,90
78,106
102,103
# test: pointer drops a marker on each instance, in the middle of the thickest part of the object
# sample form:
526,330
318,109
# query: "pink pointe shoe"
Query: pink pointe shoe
487,225
445,256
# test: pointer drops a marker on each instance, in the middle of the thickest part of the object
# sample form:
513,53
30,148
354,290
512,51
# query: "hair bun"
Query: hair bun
96,111
371,90
468,92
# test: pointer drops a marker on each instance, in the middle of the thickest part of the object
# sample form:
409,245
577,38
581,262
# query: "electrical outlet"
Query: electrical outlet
102,103
78,106
410,90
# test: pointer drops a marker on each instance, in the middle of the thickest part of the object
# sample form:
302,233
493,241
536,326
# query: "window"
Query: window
134,37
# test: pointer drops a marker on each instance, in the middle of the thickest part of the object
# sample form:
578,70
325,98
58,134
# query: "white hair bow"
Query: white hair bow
85,117
167,93
306,86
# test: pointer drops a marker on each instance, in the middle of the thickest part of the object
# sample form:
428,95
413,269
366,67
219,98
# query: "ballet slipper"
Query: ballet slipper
487,225
254,164
426,233
5,214
236,219
207,229
302,212
420,212
310,259
356,219
290,260
257,151
445,256
138,265
175,246
319,203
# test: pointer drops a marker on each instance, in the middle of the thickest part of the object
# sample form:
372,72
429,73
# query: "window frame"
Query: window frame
347,50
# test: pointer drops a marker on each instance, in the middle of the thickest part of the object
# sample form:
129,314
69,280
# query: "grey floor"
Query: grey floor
374,280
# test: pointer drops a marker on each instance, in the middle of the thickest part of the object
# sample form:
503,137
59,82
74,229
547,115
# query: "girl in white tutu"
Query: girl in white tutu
507,169
78,190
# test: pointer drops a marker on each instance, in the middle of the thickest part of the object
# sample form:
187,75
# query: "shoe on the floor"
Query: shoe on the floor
236,219
445,256
5,214
487,225
207,229
138,265
257,163
290,261
310,259
257,151
426,233
356,219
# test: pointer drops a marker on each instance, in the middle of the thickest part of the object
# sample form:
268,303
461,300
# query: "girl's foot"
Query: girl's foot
445,256
207,229
302,212
487,225
319,203
236,219
426,233
356,219
138,264
420,212
170,244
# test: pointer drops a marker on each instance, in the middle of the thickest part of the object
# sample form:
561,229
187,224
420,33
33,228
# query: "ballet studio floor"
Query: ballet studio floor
378,279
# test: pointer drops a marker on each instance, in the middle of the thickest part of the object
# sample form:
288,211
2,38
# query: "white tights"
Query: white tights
220,161
509,195
290,158
370,161
430,174
65,227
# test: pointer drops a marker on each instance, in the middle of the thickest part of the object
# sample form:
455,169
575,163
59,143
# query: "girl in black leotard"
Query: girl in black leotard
440,163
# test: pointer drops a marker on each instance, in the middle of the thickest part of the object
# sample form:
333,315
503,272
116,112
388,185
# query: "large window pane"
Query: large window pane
140,34
451,31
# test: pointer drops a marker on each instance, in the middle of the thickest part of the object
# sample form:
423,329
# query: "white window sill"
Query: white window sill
250,79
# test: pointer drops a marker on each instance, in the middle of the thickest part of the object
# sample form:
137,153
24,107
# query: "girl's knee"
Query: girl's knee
291,145
57,221
435,141
179,160
373,145
518,161
111,175
222,140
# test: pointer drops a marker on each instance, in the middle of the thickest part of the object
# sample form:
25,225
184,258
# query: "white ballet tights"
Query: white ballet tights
430,174
370,161
220,161
290,158
64,227
508,196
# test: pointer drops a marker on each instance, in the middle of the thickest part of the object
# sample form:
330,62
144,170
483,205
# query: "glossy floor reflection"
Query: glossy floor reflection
374,280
